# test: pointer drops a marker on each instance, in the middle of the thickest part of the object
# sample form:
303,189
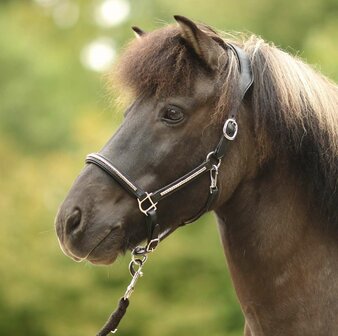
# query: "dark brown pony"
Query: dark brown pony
277,206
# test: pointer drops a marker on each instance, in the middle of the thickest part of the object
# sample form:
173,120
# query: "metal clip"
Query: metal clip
136,264
213,178
133,282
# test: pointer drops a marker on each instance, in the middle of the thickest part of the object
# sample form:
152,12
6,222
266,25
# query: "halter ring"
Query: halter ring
209,157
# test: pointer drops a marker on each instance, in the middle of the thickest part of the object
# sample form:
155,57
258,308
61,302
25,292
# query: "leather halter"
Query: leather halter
147,201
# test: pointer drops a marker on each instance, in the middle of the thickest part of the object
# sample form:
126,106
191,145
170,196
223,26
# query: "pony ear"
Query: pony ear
138,32
203,45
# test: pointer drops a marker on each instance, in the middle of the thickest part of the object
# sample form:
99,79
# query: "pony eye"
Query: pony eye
172,115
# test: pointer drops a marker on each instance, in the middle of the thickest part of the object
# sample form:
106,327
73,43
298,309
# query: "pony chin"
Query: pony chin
102,254
106,259
106,252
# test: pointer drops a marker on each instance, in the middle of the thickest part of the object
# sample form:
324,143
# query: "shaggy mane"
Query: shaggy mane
295,108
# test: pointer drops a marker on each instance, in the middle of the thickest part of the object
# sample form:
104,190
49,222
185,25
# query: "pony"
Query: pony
277,200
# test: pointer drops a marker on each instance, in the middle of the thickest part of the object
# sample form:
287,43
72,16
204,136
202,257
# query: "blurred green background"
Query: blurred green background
55,108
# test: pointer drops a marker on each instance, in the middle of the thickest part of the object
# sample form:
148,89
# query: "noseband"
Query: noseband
147,201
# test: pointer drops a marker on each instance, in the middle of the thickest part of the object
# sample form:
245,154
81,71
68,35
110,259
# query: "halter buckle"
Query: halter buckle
151,246
230,129
150,205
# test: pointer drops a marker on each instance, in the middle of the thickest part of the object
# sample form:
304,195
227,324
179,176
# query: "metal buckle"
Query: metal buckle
225,129
151,246
152,205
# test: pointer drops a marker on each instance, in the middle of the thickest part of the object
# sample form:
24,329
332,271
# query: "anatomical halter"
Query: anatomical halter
147,201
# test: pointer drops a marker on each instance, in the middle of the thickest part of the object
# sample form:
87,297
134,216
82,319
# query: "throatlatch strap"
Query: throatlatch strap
245,81
211,198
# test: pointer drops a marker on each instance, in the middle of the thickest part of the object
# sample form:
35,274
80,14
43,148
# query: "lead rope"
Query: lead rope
139,258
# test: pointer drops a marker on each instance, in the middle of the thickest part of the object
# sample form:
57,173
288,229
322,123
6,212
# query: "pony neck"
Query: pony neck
281,260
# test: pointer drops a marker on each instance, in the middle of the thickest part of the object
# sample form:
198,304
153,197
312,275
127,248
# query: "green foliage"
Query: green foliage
52,112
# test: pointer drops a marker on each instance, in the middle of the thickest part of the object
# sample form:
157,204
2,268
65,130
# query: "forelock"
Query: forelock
160,63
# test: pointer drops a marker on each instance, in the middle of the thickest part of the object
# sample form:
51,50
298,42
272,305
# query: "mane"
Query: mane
295,108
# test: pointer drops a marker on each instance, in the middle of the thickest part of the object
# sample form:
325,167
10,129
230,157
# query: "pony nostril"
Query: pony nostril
73,221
